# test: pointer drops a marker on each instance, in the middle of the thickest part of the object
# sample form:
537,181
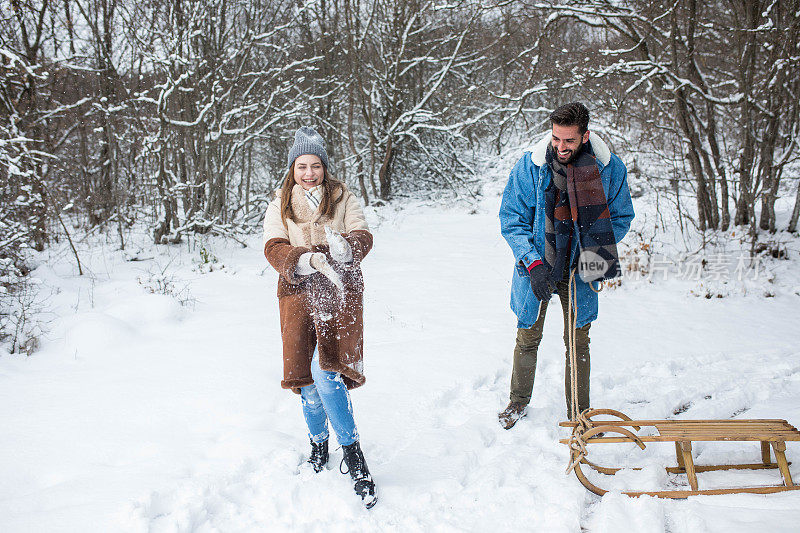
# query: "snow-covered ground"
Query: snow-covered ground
145,411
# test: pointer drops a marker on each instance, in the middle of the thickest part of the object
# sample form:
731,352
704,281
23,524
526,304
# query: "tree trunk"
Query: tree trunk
385,173
796,211
705,211
770,194
744,207
720,168
359,159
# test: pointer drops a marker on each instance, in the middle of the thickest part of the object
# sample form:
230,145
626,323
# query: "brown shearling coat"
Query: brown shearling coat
313,312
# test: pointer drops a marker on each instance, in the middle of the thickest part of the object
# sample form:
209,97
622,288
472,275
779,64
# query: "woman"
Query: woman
315,236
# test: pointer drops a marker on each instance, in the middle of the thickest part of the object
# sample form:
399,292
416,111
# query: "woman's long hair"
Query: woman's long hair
332,194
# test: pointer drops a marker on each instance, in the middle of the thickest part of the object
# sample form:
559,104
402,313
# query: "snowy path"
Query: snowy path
141,415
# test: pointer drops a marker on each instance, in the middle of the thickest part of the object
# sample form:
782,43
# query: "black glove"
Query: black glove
541,285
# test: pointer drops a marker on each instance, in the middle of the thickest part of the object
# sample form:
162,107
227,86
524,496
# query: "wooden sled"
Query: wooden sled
772,434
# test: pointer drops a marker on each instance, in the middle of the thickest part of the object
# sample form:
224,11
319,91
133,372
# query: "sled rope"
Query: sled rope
572,319
573,358
577,446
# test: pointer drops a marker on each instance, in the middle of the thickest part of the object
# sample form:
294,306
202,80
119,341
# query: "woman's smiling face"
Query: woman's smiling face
308,171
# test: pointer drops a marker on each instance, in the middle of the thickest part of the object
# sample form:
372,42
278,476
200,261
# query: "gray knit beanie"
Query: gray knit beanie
308,141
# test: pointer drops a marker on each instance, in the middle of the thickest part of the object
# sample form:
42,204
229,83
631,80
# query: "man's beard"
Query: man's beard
573,155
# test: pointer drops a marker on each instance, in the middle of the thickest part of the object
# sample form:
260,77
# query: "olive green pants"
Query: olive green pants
527,346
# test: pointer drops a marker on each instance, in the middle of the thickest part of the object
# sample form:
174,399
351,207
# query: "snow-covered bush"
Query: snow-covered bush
159,280
22,210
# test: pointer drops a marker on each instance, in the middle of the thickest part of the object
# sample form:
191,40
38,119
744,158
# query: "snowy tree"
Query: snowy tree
412,87
722,75
179,114
22,206
223,79
21,55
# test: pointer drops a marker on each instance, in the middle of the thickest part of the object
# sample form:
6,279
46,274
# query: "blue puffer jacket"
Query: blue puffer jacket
522,220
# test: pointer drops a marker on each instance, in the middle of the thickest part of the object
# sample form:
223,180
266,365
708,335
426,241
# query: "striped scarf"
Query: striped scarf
576,194
314,197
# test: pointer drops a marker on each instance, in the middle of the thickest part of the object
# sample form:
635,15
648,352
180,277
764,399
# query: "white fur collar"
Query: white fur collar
599,147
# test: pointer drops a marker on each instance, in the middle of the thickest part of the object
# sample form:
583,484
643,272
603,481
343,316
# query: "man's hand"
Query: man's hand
541,285
340,248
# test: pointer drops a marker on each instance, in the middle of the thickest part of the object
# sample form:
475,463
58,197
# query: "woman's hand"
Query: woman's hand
309,263
340,248
304,266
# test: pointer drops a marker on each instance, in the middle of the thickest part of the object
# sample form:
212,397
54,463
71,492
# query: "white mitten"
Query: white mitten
321,265
340,248
309,263
304,267
318,261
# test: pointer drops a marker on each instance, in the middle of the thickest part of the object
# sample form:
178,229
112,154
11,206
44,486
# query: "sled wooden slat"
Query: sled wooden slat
714,468
771,433
679,494
783,424
693,438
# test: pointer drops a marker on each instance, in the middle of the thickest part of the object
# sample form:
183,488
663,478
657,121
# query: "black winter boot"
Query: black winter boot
319,455
363,484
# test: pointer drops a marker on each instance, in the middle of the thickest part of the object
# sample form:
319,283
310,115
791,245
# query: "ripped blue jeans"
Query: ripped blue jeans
328,398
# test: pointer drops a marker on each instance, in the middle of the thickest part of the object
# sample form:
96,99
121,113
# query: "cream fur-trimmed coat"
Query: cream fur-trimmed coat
313,312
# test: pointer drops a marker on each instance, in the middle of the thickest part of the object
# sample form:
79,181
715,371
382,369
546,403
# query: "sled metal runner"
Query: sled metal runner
771,434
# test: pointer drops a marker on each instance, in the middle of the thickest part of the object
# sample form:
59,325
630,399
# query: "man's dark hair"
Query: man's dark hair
572,114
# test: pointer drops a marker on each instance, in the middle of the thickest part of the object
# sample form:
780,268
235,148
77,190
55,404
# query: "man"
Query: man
565,207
